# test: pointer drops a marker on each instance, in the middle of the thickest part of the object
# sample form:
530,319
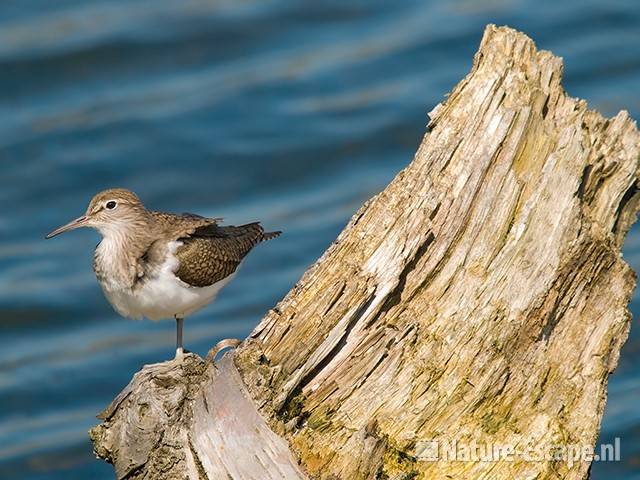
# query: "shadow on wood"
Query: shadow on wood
481,296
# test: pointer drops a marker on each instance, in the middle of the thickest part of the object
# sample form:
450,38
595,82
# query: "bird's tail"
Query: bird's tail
253,230
270,235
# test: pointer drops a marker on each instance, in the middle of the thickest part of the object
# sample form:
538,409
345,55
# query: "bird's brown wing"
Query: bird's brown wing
178,226
212,252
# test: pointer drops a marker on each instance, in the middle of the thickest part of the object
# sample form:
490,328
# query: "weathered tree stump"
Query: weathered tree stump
190,419
481,296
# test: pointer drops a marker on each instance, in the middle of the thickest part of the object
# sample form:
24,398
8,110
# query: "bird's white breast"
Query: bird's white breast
162,295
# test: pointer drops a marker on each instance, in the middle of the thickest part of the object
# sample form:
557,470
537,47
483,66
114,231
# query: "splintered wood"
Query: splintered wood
481,297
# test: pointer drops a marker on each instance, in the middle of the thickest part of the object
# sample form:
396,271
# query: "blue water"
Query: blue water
289,113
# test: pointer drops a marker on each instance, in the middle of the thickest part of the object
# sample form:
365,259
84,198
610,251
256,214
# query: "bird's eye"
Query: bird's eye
110,205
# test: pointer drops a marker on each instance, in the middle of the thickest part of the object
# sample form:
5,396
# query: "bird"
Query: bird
160,265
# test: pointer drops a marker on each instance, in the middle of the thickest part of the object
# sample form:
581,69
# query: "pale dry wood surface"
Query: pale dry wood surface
190,420
482,295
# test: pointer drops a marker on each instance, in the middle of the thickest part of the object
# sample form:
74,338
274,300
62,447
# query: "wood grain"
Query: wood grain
481,296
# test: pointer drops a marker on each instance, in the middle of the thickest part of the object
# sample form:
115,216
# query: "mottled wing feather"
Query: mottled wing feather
212,253
185,224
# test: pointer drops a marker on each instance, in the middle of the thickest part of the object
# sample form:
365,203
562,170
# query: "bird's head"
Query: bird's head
111,212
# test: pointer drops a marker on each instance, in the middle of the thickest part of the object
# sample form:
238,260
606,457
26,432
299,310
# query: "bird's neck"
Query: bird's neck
117,256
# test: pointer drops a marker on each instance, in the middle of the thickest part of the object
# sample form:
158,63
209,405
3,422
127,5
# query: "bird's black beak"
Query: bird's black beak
72,225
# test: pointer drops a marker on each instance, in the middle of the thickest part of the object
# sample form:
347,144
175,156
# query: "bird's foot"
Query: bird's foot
179,355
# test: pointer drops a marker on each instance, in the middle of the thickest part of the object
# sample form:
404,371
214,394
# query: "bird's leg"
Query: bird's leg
179,349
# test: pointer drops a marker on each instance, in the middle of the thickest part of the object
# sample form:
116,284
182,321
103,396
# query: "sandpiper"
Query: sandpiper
160,265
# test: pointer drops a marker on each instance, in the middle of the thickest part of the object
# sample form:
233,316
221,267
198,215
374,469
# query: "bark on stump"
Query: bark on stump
481,296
